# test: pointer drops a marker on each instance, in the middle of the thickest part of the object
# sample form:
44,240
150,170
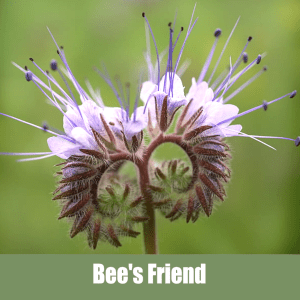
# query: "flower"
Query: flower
98,140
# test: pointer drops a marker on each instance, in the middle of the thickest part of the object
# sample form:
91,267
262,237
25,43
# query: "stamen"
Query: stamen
56,84
183,67
245,85
63,100
169,64
58,106
52,101
37,158
45,126
223,50
109,82
294,93
120,87
239,73
157,55
127,86
181,29
53,65
265,105
24,153
67,85
233,68
257,61
190,28
137,97
297,141
291,95
148,55
210,56
94,93
28,76
60,52
274,137
39,127
220,78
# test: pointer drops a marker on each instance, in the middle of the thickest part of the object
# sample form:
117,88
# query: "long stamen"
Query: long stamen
52,101
220,78
169,62
57,105
109,82
264,105
183,67
223,50
245,58
37,158
120,87
61,54
24,153
273,137
39,127
127,85
181,29
237,91
157,55
217,34
94,93
233,68
53,66
191,26
256,61
54,82
61,99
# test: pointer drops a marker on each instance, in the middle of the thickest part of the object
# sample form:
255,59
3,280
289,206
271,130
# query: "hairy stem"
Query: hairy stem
149,228
150,239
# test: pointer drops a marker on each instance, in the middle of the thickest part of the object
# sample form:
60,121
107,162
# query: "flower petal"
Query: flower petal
62,148
148,88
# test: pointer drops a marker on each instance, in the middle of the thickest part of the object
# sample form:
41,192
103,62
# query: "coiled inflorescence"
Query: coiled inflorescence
95,192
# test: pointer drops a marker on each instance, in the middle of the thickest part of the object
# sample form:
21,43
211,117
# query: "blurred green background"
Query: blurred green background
261,213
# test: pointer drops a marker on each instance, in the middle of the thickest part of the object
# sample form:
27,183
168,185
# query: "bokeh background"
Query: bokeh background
261,213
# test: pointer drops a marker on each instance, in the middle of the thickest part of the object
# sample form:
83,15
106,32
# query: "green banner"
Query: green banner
130,276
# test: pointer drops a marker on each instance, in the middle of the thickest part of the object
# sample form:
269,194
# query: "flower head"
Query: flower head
98,140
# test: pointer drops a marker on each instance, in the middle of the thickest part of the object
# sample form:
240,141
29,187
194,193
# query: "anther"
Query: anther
293,94
31,58
258,59
245,57
297,141
47,72
249,38
57,52
28,76
217,32
45,126
265,105
26,68
61,47
265,68
170,24
182,28
143,15
53,65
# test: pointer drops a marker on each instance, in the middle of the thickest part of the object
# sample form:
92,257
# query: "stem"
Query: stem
150,239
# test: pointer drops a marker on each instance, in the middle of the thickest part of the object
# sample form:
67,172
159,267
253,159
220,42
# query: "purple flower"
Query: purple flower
97,140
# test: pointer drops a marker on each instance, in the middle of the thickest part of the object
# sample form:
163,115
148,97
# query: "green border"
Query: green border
227,276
